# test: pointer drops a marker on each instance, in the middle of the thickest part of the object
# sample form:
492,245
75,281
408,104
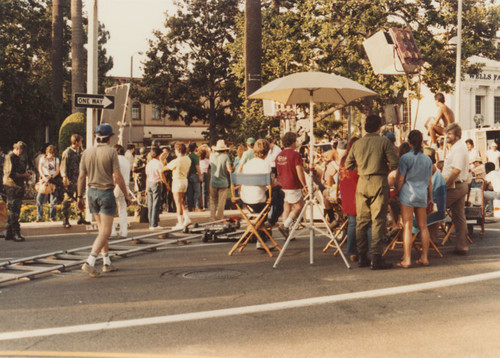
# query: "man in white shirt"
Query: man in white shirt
493,155
456,175
120,196
493,180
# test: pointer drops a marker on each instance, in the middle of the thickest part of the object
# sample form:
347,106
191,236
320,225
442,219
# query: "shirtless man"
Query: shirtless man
445,114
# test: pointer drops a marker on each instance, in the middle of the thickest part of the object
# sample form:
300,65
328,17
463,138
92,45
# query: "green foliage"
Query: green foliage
26,106
73,124
188,71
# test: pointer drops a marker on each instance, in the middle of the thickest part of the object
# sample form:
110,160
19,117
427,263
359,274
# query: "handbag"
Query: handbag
44,187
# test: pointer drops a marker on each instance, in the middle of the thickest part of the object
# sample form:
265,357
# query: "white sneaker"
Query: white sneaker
91,270
178,227
159,227
152,228
187,222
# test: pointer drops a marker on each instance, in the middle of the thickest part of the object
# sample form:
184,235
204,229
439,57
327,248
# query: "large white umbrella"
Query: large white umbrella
311,87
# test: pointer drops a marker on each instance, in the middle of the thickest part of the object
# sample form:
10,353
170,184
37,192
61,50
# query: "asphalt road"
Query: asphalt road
196,301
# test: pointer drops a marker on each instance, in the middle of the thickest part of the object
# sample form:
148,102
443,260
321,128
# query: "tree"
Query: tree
57,52
188,71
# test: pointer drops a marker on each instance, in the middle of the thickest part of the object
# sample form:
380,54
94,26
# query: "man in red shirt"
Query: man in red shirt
292,179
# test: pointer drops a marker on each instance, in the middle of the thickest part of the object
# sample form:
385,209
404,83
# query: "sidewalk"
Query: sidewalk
166,219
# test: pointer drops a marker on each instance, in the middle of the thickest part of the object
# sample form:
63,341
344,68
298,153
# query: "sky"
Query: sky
130,24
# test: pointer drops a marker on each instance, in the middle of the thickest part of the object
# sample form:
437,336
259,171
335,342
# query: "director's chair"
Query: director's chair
255,220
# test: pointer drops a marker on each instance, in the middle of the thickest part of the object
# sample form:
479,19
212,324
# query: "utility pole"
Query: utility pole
253,46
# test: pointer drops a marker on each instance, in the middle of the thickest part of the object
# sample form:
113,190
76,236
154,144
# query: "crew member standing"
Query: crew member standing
370,155
456,175
70,167
14,177
100,165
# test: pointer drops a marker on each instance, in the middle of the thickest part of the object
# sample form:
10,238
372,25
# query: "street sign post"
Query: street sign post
99,101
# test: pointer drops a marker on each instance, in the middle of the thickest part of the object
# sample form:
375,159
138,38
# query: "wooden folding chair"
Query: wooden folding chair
339,231
255,221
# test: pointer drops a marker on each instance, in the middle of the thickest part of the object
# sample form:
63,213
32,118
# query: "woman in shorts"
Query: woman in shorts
180,169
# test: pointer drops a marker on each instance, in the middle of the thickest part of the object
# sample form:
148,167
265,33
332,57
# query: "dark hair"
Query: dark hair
288,139
415,138
455,129
75,138
373,123
180,147
155,152
348,149
130,146
119,149
192,147
404,148
102,139
439,97
489,167
469,141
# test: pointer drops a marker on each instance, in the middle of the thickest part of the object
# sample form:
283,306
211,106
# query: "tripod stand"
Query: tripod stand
310,203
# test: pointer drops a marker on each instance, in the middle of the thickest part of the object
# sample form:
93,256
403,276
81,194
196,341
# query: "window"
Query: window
496,110
479,106
156,112
136,111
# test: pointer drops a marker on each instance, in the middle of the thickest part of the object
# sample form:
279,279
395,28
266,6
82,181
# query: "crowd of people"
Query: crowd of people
377,187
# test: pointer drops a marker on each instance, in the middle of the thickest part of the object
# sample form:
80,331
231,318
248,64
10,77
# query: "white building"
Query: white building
480,94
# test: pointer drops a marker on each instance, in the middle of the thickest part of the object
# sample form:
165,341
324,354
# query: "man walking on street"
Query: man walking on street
370,155
70,167
14,177
456,175
100,165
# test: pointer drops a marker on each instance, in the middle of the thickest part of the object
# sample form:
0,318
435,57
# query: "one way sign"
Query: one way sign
99,101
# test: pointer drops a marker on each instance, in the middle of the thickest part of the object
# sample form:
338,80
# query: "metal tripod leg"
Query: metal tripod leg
310,203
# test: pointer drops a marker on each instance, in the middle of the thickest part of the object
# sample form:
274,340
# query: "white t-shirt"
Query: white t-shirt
153,171
48,166
253,194
473,155
493,177
493,156
125,170
271,156
458,158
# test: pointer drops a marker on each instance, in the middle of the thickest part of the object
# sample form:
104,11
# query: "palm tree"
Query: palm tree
77,52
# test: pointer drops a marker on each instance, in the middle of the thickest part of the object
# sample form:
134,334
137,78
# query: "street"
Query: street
196,301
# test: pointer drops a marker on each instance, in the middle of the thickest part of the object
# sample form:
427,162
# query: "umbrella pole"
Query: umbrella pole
311,173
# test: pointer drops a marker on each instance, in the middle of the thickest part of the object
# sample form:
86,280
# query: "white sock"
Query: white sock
288,222
106,259
186,216
91,259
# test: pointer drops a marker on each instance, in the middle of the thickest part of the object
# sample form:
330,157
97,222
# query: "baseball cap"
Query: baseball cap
251,140
104,130
390,135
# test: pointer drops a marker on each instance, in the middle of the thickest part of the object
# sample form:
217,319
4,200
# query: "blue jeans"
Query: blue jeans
351,235
490,196
193,192
154,196
205,190
40,200
102,202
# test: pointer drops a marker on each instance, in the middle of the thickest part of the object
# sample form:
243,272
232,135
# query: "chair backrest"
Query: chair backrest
250,179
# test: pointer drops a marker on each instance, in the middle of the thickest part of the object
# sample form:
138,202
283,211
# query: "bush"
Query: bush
28,212
73,124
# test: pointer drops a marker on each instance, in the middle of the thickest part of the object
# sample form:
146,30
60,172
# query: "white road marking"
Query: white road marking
249,309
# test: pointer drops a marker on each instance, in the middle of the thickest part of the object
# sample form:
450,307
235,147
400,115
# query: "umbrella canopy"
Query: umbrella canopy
324,87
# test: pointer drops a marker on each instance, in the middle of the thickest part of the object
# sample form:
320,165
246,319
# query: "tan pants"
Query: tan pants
217,202
455,200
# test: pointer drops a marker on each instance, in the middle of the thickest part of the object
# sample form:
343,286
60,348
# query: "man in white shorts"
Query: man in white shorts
292,180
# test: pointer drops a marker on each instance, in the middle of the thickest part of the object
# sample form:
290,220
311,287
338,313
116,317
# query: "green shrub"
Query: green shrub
73,124
28,212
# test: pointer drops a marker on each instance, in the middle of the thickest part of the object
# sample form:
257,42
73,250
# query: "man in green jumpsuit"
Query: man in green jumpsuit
374,156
